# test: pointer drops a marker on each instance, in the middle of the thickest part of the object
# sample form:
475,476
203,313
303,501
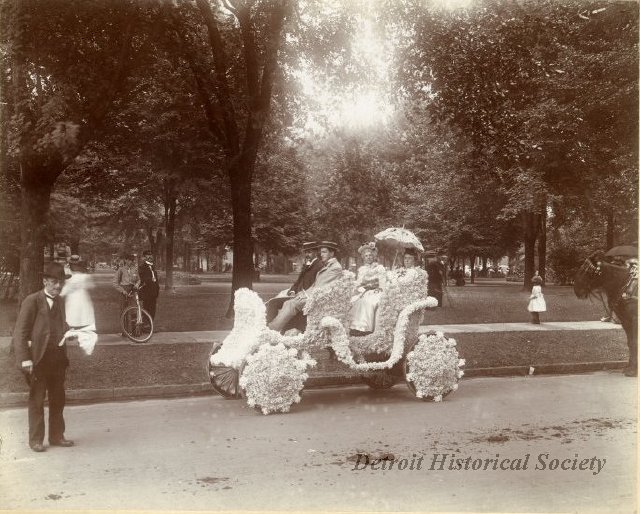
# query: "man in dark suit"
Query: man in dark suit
312,264
41,354
149,285
436,272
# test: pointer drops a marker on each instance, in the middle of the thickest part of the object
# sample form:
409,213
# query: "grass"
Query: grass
203,307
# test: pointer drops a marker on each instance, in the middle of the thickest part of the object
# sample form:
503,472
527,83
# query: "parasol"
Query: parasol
622,251
398,238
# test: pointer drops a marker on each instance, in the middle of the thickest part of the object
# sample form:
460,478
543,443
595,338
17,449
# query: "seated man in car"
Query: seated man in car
331,270
312,264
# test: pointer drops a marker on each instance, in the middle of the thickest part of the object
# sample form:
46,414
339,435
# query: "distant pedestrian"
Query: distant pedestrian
41,353
149,285
124,281
536,300
436,272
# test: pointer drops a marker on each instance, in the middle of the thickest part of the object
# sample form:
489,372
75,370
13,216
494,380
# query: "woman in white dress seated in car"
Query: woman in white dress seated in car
369,285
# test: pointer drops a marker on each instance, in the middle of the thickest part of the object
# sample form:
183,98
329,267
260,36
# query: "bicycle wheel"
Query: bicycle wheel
138,330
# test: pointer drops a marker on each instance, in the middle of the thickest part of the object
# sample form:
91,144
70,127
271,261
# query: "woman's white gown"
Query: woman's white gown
365,302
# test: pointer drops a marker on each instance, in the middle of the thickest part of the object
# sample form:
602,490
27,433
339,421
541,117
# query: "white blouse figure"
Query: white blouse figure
369,284
78,306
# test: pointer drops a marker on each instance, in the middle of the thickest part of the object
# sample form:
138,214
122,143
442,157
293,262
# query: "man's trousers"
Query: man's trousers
47,379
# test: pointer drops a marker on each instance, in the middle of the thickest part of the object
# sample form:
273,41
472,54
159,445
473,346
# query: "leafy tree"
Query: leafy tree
517,80
235,80
65,64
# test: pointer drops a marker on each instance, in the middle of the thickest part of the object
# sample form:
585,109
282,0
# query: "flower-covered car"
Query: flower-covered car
269,369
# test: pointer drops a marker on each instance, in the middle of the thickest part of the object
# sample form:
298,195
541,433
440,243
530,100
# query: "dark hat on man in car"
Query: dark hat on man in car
309,245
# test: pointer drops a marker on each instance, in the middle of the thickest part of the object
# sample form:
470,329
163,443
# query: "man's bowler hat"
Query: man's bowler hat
310,245
328,244
54,270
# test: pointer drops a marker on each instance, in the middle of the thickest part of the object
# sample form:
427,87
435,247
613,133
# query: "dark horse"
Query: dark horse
596,274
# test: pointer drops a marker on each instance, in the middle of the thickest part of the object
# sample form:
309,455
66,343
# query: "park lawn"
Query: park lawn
164,364
203,307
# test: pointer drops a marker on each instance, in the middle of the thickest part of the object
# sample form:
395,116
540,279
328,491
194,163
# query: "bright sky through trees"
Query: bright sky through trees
350,105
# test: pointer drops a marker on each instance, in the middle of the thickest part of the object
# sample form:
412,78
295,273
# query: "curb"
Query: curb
79,396
84,396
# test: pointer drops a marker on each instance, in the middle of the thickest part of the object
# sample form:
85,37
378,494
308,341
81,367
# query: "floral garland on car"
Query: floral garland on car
341,343
274,376
332,300
434,366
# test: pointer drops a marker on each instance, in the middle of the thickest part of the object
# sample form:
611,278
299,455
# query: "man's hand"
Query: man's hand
291,292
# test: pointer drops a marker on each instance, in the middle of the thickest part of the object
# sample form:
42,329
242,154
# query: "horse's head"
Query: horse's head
589,276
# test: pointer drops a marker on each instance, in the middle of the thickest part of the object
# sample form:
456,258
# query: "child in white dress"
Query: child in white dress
536,300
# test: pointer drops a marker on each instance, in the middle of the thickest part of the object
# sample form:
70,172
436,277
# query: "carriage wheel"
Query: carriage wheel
382,379
410,384
224,379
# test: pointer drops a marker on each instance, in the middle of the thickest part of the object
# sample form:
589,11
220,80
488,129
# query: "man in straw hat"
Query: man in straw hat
331,270
41,354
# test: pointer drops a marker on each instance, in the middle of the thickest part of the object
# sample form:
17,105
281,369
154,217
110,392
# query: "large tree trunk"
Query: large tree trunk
530,227
170,224
542,245
242,238
472,259
36,196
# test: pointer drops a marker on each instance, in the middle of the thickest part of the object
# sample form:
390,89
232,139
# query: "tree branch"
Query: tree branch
229,6
250,51
212,111
222,85
260,103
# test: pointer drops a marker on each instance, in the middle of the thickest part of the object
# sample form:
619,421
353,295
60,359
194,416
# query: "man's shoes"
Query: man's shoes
38,448
66,443
631,372
606,319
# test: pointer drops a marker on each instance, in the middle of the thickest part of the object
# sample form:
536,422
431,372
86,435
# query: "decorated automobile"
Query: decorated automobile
269,369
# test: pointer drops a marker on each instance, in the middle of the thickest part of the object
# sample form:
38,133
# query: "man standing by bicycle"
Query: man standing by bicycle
149,285
125,280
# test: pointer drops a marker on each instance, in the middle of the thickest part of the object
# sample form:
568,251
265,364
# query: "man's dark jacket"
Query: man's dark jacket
32,326
307,276
148,288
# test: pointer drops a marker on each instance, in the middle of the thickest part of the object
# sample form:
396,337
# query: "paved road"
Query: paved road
208,453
